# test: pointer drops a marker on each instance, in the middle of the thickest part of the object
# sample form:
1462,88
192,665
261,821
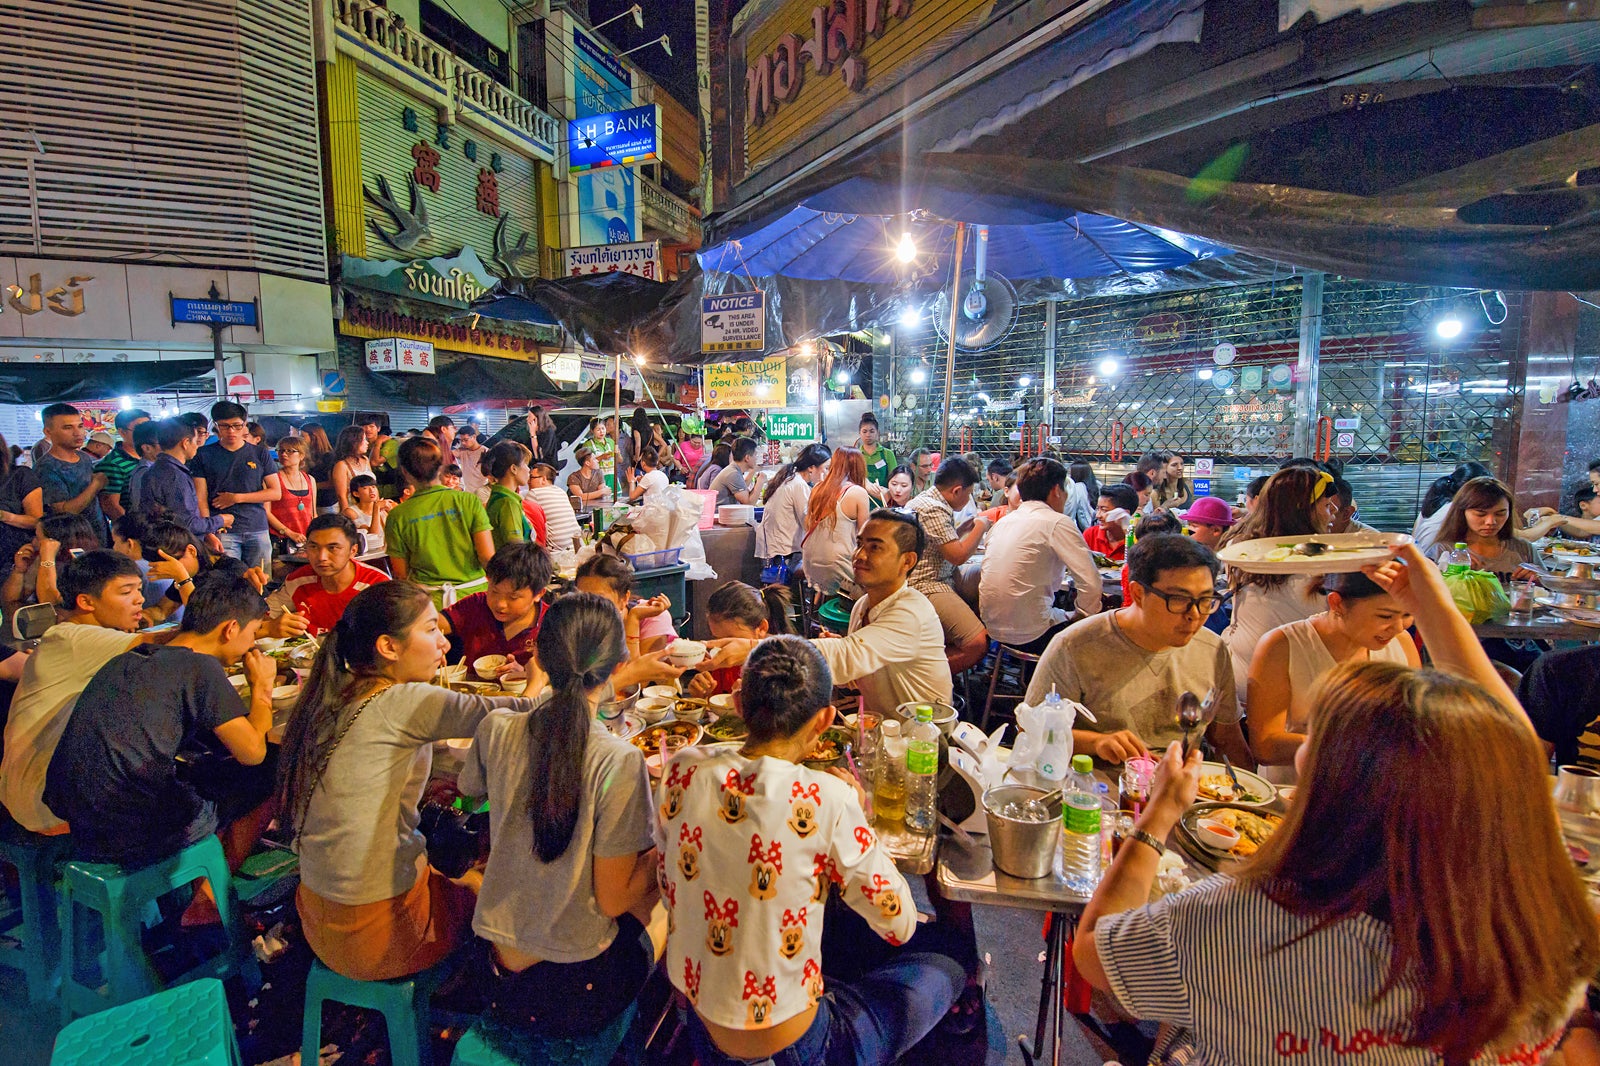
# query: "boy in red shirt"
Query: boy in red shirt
1109,535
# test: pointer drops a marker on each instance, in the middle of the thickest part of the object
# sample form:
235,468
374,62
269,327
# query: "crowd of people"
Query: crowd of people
756,883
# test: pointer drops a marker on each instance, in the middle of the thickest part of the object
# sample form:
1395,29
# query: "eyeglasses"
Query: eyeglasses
1182,603
235,426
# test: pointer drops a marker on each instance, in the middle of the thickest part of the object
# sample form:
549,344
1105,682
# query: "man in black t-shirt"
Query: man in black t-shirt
237,478
1561,693
114,776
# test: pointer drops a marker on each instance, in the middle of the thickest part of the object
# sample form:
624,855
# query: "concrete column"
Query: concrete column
1309,368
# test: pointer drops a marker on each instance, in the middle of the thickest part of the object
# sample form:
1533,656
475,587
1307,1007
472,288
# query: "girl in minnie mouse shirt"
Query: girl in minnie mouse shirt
751,842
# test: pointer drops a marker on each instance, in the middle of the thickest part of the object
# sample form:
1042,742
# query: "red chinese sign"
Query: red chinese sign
488,193
839,31
426,171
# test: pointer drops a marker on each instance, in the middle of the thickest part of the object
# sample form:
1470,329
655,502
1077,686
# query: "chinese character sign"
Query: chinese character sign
400,354
643,260
488,193
381,354
427,169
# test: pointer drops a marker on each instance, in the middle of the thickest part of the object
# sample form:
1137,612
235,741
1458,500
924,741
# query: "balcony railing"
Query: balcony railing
667,214
458,81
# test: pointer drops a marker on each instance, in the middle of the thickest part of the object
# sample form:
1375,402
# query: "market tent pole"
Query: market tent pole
950,363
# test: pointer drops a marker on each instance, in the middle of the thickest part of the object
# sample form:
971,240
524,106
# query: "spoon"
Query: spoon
1189,715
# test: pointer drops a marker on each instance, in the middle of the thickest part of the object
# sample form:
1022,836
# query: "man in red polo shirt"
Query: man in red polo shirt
332,576
504,618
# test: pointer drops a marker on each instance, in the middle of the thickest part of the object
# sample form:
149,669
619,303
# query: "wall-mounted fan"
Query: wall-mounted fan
988,309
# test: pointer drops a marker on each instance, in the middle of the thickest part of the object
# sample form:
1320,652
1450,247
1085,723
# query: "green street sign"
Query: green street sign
792,427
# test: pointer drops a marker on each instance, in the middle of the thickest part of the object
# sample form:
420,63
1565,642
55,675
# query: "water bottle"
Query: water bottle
922,773
1455,561
889,787
1080,828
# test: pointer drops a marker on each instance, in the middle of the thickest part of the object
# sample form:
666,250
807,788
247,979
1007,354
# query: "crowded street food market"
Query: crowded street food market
800,533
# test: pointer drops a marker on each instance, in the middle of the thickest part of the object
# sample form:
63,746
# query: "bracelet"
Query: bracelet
1145,838
185,581
48,563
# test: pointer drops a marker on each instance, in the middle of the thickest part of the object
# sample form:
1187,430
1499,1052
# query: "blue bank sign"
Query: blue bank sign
617,138
213,312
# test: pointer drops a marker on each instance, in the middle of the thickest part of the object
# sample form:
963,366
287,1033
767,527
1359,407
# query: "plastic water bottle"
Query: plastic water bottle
1080,828
889,787
922,772
1054,719
1455,561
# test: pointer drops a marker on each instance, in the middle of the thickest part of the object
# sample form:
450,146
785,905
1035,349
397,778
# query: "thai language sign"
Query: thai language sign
736,322
761,384
642,258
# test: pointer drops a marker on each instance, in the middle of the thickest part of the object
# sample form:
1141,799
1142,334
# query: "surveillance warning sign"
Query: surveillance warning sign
736,322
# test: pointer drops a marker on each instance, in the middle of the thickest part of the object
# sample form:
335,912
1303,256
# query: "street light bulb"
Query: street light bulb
918,376
125,402
910,317
1024,381
1204,373
1108,366
1448,327
842,377
906,251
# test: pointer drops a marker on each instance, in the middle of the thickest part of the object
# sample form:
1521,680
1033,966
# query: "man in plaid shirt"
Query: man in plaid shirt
965,639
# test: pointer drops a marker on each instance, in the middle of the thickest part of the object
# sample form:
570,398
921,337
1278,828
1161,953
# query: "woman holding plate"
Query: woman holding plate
1474,948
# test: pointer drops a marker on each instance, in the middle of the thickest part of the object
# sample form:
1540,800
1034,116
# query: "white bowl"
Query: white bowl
488,666
454,672
284,697
722,703
240,683
660,692
514,686
652,764
653,710
686,653
1216,834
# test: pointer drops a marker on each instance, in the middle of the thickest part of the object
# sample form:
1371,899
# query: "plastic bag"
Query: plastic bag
1478,595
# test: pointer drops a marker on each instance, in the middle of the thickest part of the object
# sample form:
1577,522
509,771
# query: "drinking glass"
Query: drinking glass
866,750
1522,599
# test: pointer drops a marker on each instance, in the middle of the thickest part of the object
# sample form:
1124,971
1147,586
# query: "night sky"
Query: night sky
675,73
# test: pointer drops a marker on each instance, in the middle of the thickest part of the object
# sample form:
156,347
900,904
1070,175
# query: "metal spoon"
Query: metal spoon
1189,715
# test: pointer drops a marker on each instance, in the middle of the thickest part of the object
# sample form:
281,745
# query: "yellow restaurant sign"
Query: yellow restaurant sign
807,62
456,337
763,384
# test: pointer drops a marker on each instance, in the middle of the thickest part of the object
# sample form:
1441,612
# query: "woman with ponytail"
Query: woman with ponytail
739,610
571,879
351,773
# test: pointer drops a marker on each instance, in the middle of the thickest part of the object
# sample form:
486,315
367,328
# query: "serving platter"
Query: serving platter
1330,553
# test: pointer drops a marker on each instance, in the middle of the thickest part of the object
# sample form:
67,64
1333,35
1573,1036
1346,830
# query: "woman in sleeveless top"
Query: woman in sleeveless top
291,513
838,508
349,461
1363,623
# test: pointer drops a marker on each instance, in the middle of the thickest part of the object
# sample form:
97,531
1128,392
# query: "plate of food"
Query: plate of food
1218,833
1320,553
730,728
1217,786
829,749
674,735
1573,551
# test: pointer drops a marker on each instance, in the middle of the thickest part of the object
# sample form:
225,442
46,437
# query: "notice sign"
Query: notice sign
784,426
736,322
642,259
391,354
733,385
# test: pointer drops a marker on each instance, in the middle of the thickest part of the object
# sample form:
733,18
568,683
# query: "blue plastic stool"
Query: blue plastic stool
189,1024
403,1002
120,897
38,936
486,1044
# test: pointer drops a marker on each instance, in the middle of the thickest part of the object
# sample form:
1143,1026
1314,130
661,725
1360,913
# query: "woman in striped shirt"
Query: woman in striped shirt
1416,905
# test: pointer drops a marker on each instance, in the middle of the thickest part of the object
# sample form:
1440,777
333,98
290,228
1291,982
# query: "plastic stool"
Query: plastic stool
38,951
835,614
120,896
1026,660
189,1024
486,1044
403,1002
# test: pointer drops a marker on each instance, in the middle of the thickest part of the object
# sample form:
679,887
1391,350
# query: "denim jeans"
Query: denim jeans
252,549
870,1021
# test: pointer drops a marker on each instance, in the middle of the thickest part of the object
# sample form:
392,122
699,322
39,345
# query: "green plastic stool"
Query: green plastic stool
188,1025
120,897
34,926
487,1044
835,614
403,1002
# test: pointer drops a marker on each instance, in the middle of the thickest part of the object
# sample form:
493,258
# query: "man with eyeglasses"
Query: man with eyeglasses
1129,666
235,477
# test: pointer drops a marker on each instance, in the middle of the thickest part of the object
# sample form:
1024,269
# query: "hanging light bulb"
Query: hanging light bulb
910,317
1108,366
918,376
1448,327
906,250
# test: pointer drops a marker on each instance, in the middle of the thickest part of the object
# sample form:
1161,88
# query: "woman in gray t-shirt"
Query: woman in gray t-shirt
571,878
356,758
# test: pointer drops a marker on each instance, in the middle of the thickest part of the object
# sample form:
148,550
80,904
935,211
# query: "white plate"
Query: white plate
1581,615
1257,785
1351,552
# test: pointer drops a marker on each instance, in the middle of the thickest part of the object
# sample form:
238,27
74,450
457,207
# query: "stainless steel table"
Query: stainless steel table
1543,625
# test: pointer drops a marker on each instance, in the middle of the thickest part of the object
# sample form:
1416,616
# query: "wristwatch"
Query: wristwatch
1145,838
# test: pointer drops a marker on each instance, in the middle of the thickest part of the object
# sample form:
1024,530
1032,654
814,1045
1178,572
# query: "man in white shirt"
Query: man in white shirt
468,454
1025,560
102,593
893,652
652,481
560,521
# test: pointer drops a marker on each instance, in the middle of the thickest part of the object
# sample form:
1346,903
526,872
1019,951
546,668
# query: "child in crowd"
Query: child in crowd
355,760
504,619
1208,518
101,597
451,478
1113,512
746,908
114,775
571,880
737,610
373,509
647,625
506,468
